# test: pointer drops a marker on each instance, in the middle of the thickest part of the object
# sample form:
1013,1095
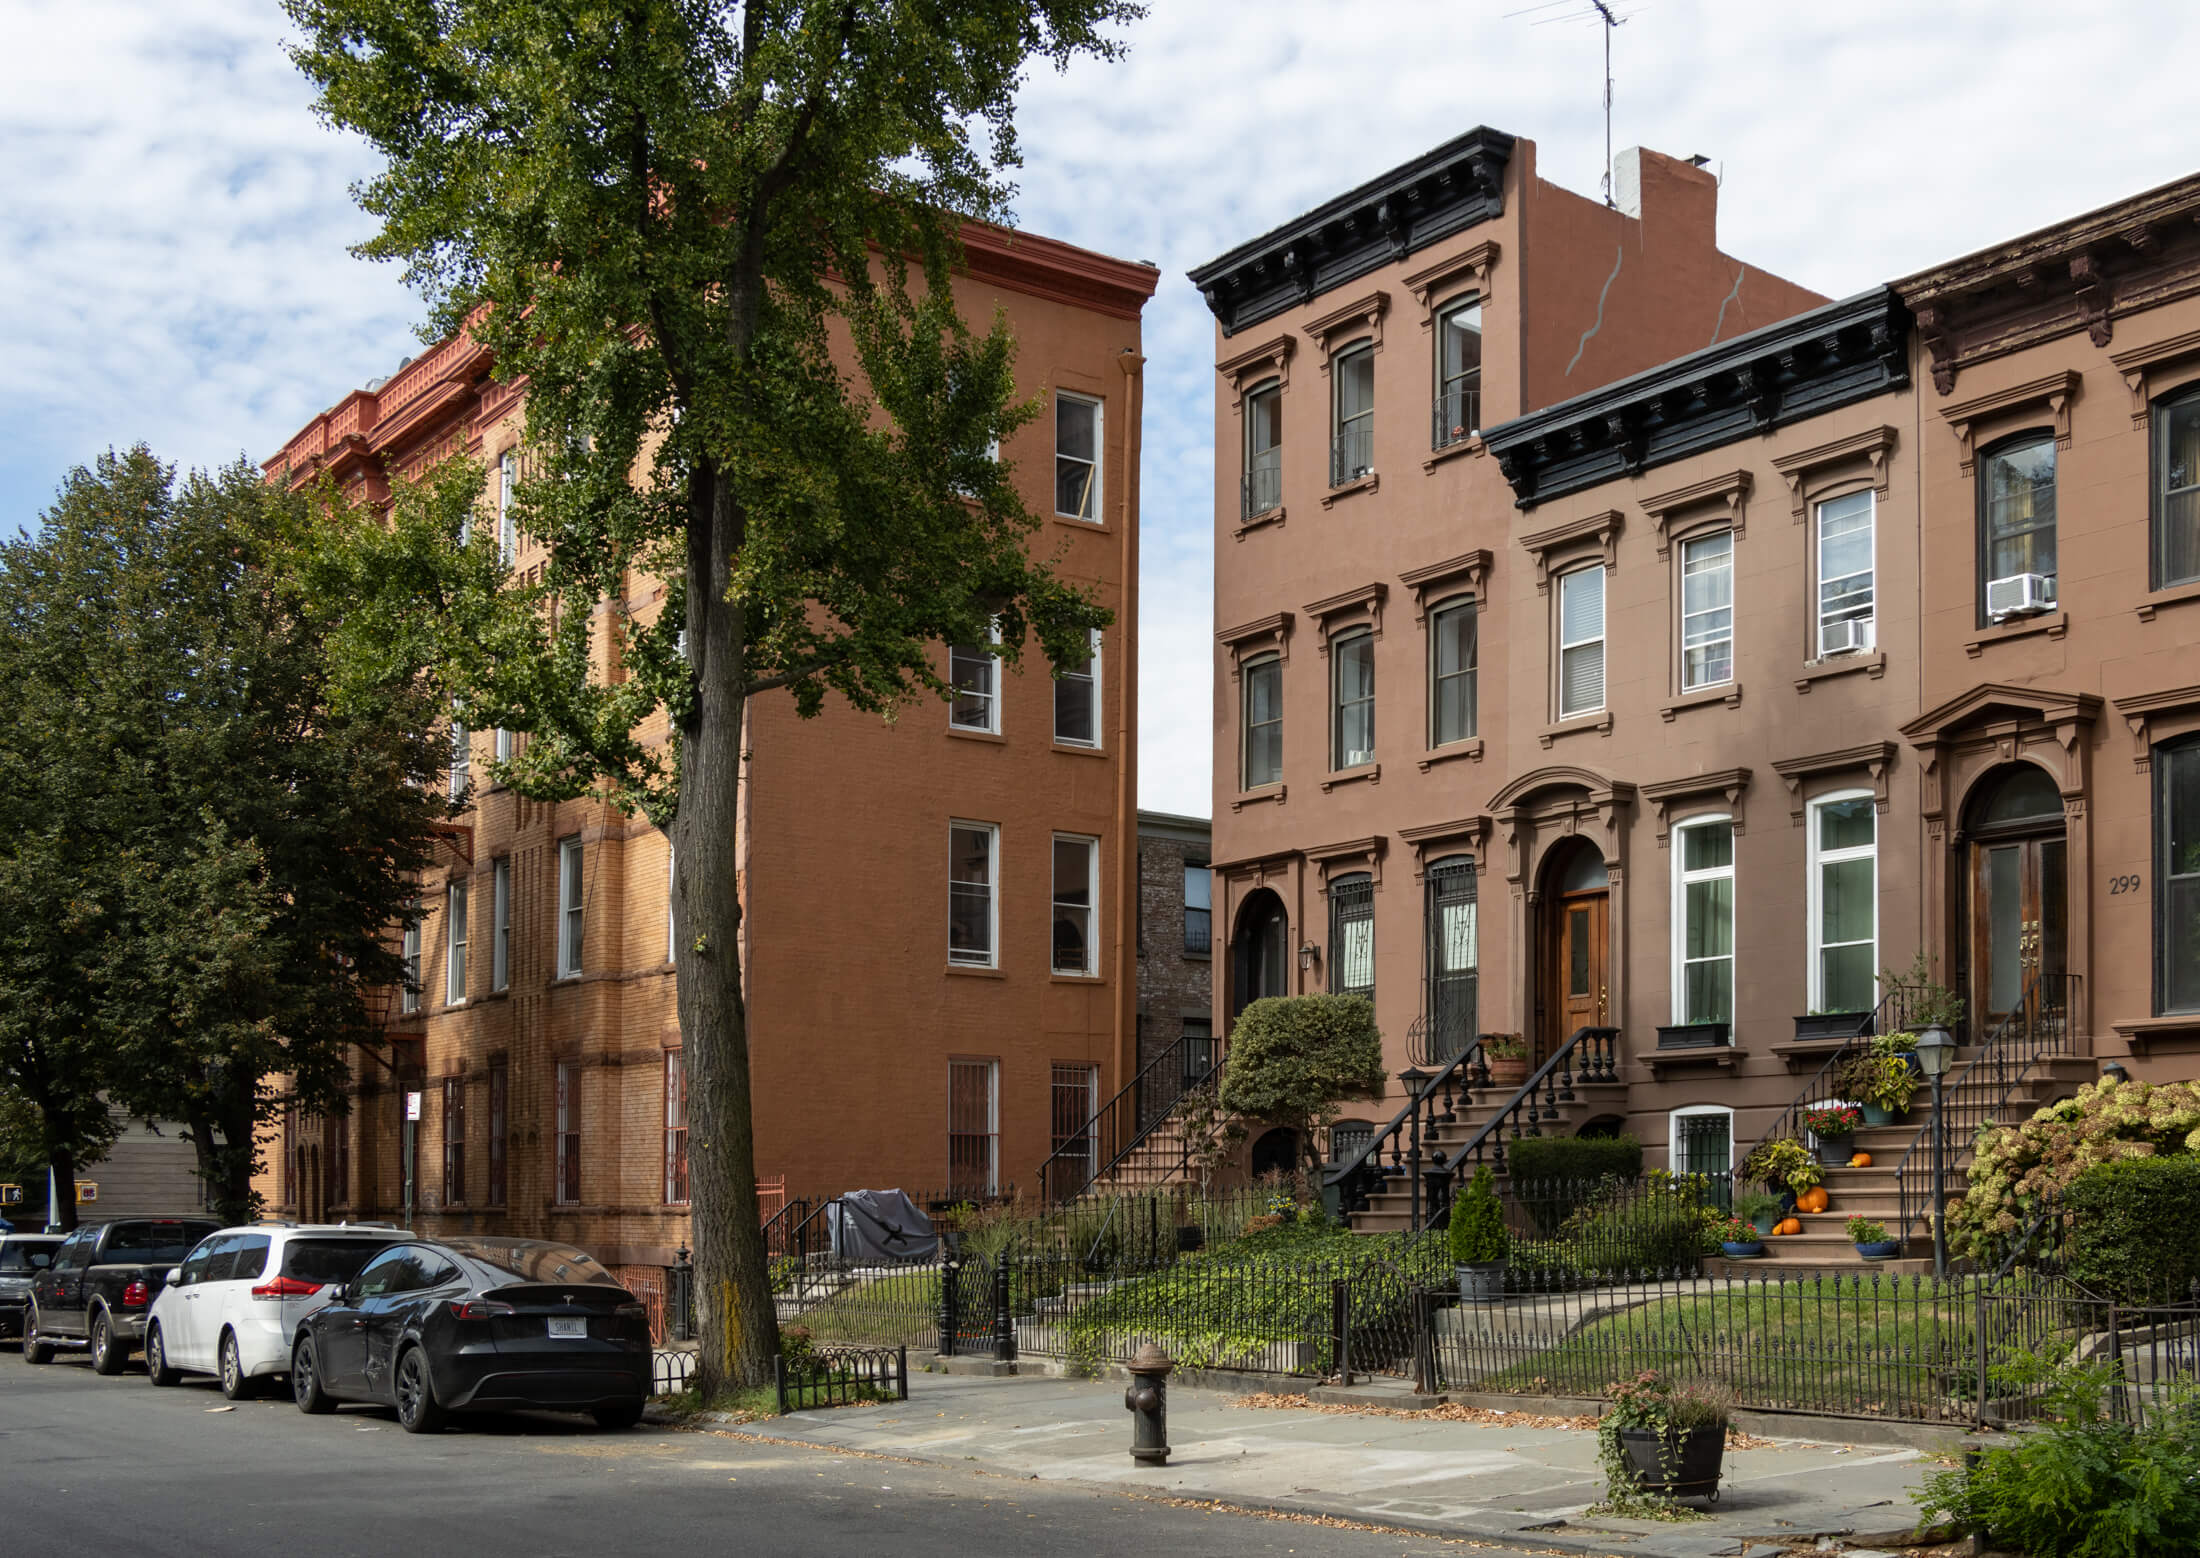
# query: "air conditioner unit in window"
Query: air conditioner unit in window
2020,595
1844,638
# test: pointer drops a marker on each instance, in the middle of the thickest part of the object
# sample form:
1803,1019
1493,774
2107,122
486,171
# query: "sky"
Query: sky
174,223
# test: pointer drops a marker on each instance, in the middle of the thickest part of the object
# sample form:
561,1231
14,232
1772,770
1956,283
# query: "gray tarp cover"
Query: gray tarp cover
880,1225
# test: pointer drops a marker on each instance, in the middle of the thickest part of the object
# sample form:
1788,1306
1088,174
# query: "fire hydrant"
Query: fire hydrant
1148,1401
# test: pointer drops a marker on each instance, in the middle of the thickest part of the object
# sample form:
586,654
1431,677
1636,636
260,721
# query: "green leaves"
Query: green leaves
1292,1058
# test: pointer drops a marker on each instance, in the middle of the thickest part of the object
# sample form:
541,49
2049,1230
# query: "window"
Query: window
973,1127
1263,449
1199,907
1352,693
676,1128
1352,440
1703,1140
1352,935
2016,521
974,672
507,514
571,906
409,997
454,1141
454,944
1076,892
500,1122
339,1190
1845,574
500,929
972,892
1076,457
1077,701
462,760
1199,1049
1707,611
1263,722
1703,914
1580,642
2177,825
672,882
568,1184
1458,374
2177,491
1454,961
1452,651
1844,904
1076,1107
506,745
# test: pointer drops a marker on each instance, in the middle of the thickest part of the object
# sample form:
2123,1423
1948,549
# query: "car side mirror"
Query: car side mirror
175,1276
348,1294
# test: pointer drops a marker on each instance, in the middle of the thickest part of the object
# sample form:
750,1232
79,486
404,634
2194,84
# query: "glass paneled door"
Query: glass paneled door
2017,901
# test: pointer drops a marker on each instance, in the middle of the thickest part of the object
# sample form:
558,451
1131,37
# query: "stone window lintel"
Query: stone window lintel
2055,391
1873,445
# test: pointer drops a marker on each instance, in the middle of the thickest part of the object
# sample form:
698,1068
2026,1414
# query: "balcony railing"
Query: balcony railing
1351,455
1199,932
1262,486
1457,415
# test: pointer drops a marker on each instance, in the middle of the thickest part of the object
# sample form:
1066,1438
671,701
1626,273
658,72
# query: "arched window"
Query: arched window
1352,935
1260,951
1844,902
1702,1139
1703,920
2177,879
2016,502
2177,489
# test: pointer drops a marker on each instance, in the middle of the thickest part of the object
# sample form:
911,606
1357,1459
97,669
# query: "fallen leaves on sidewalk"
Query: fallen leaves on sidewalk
1444,1412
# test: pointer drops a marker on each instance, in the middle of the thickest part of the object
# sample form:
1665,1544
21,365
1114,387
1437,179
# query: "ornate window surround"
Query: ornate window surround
2141,367
1260,636
1672,795
1593,534
1875,758
1255,366
1438,286
1469,571
1992,412
1873,445
1352,608
1437,840
2156,717
1360,319
1730,490
1348,857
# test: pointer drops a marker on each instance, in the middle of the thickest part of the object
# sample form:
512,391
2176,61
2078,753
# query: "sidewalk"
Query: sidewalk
1489,1480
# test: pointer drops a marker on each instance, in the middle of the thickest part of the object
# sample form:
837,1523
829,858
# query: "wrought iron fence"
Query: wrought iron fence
1351,455
1456,416
1262,486
812,1376
670,1371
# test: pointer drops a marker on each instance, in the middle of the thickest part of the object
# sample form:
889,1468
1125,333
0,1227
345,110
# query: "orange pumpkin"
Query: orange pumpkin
1788,1225
1861,1160
1812,1200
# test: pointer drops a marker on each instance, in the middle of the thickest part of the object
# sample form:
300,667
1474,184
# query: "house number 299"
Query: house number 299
2122,884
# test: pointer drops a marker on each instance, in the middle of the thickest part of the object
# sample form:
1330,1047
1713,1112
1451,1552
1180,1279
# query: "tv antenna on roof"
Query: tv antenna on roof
1600,12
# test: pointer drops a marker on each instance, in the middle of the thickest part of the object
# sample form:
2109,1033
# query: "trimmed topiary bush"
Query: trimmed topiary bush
1295,1058
2134,1229
1478,1223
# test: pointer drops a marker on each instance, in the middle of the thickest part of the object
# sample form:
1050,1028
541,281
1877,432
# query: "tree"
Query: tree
223,849
1294,1058
677,219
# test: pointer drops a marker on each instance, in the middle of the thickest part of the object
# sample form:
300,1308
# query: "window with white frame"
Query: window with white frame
567,1186
974,672
454,944
672,927
1077,448
507,513
1703,920
1847,593
1263,710
1453,633
1707,611
1077,701
974,1127
1076,895
973,893
1581,642
1844,903
572,906
1352,698
409,997
1701,1139
500,928
506,746
462,760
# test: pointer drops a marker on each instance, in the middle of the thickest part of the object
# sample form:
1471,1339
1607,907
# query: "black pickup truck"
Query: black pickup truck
101,1282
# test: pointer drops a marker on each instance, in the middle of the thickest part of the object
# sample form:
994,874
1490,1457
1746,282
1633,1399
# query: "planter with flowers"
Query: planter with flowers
1831,1125
1882,1082
1661,1441
1871,1239
1786,1165
1740,1240
1506,1057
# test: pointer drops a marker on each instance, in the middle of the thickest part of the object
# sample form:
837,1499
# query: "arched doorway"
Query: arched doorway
1276,1152
1260,952
1574,986
2016,891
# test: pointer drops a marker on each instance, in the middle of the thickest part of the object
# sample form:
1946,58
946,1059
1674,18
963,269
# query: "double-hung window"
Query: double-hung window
974,672
462,760
572,906
1703,914
1199,907
506,745
1454,959
2177,490
973,893
507,511
567,1187
974,1127
2177,891
1581,642
1453,648
1077,701
1352,935
1076,895
2017,527
1707,611
1844,903
1077,448
1352,436
409,997
676,1128
1263,681
500,929
454,944
454,1141
1847,577
1263,449
1352,694
1458,374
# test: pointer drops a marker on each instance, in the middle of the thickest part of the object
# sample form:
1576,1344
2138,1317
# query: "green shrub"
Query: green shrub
2134,1228
1478,1223
1294,1059
1553,1176
1668,1221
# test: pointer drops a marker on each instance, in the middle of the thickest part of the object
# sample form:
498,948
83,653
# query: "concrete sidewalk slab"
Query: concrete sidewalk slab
1485,1479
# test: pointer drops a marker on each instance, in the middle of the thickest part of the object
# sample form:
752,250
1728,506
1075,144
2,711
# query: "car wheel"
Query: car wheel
417,1411
624,1415
34,1349
305,1380
156,1358
236,1384
108,1355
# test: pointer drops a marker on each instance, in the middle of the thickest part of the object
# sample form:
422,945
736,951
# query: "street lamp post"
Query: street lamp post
1936,1050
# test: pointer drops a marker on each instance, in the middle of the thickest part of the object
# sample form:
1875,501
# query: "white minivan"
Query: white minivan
233,1307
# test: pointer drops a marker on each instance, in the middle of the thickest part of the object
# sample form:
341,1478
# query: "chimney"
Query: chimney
1667,193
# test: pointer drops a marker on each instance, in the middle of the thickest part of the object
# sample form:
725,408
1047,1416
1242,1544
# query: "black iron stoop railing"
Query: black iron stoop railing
1896,1013
1432,1099
1591,1055
1456,416
2038,1028
1128,1120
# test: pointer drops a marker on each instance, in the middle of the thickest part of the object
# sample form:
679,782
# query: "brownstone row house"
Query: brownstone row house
944,908
1705,651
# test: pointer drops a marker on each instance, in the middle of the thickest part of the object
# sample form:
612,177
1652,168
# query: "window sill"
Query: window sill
1367,483
1198,957
1600,722
1080,524
1260,521
1873,665
960,733
1267,792
1077,749
1451,752
2053,623
1711,1057
1057,977
1371,772
2173,595
2142,1033
1471,444
1728,693
975,971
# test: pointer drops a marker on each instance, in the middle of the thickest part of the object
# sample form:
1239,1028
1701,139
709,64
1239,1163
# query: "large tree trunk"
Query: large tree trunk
736,1323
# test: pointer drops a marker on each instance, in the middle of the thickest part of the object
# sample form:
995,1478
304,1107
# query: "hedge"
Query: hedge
1554,1176
2134,1228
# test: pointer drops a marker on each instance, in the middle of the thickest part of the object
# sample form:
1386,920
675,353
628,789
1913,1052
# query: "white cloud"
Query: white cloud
173,266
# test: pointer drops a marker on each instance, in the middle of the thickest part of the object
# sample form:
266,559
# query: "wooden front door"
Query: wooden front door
1576,974
2018,896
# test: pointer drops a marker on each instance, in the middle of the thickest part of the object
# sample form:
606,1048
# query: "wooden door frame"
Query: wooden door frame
1972,924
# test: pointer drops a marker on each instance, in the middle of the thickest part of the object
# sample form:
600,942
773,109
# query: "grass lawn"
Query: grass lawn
884,1311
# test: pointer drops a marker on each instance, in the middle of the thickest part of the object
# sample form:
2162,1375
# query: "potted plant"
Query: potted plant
1663,1440
1900,1046
1740,1240
1831,1125
1871,1239
1505,1055
1479,1242
1821,1023
1693,1035
1785,1164
1881,1083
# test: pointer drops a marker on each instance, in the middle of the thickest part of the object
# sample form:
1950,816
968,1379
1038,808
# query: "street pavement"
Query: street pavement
92,1465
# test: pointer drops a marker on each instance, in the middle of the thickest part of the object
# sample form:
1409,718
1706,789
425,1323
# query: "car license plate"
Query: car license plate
560,1327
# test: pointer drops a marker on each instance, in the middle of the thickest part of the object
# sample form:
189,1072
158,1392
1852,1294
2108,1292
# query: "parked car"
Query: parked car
234,1306
449,1325
22,1256
101,1283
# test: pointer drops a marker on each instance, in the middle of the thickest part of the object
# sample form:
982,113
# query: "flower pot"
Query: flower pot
1683,1465
1886,1249
1833,1151
1828,1025
1874,1115
1750,1251
1693,1035
1481,1282
1508,1073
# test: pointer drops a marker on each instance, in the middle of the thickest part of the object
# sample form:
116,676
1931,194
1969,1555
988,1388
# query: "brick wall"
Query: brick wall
1173,982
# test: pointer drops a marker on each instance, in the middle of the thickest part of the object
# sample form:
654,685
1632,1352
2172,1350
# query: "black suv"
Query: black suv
100,1284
